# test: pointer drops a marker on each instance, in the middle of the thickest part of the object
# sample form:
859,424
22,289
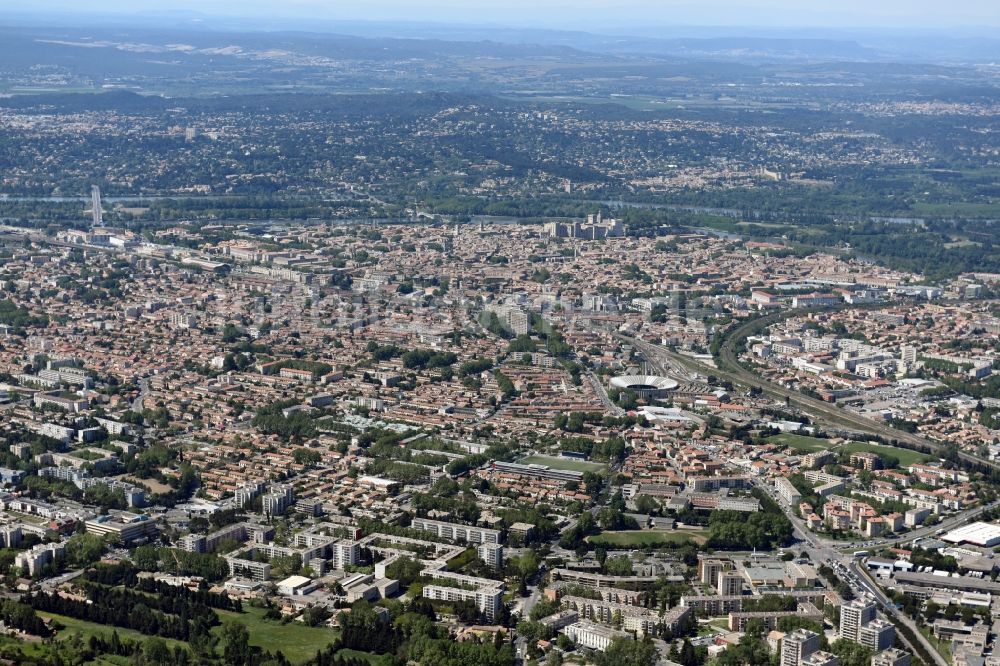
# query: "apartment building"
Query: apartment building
592,636
491,554
730,583
853,616
238,532
711,569
456,532
277,501
797,645
37,557
891,657
821,658
878,635
787,491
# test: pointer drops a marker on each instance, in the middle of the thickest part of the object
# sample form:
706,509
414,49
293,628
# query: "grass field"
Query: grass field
807,444
640,538
88,629
9,646
801,443
295,640
563,463
906,457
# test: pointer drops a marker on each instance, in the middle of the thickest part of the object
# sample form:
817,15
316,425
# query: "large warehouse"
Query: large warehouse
986,535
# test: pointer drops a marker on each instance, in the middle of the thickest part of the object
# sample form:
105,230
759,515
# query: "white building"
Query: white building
491,554
38,557
456,532
787,491
854,615
593,636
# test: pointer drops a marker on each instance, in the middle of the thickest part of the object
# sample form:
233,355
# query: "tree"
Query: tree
628,652
84,549
155,651
618,566
237,644
522,343
146,558
306,457
404,569
647,505
851,654
525,566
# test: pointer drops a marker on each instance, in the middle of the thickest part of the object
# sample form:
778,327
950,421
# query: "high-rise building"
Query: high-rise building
798,645
877,634
821,658
891,657
854,615
730,583
278,500
710,570
492,555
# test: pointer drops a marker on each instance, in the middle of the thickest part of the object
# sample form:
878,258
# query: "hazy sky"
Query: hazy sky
575,13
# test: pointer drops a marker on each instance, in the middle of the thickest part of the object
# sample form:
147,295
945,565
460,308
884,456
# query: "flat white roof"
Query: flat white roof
294,581
979,534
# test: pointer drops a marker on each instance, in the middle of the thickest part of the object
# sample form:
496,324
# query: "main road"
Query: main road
732,371
847,568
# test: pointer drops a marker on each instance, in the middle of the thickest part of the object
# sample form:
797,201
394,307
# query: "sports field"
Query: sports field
802,443
569,464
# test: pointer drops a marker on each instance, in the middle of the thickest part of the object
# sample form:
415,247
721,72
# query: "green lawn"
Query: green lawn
10,647
88,629
800,443
906,457
805,444
295,640
563,463
640,538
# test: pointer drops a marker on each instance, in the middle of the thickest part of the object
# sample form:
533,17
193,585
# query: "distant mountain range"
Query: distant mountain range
957,46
